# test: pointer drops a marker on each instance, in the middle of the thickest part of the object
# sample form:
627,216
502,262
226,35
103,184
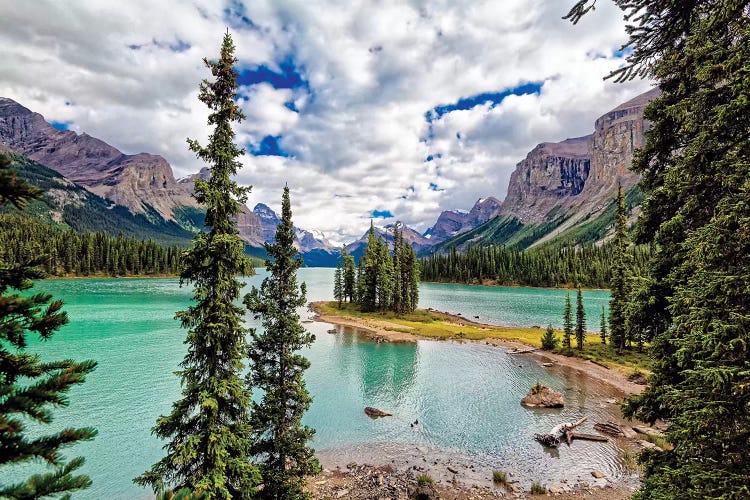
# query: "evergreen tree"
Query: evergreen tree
208,430
695,174
549,339
603,326
29,387
349,275
368,265
580,321
619,288
397,302
384,274
567,322
338,286
412,278
277,368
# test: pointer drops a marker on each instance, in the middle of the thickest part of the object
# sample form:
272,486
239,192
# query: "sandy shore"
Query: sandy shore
386,331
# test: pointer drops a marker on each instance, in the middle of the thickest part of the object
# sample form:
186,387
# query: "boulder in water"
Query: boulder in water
541,396
375,413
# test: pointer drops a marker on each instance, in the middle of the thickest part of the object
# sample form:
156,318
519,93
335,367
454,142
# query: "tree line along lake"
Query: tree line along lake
464,395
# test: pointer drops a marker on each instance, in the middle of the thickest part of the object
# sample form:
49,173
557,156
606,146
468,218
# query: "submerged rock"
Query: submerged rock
541,396
375,413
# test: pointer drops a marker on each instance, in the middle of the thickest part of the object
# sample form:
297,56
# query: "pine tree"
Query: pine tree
694,169
29,387
549,339
384,274
580,321
349,275
619,288
338,286
567,322
208,430
603,327
277,369
368,265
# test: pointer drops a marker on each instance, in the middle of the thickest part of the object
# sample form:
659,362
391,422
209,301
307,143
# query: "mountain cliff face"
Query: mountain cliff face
563,191
138,182
452,222
143,183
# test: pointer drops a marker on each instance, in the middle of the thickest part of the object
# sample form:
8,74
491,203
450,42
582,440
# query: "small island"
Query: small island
595,359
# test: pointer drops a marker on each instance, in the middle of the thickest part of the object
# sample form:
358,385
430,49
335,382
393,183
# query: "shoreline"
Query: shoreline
384,331
493,284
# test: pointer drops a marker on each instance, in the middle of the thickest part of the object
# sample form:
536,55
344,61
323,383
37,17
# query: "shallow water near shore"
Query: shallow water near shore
464,396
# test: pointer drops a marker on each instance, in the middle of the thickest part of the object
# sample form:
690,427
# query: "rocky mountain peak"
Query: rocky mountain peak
138,182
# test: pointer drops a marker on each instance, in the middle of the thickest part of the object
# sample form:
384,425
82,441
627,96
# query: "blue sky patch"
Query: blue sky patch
382,214
176,46
235,15
494,98
289,75
269,146
60,125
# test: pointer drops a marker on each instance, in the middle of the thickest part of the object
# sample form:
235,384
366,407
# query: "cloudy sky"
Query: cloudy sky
398,109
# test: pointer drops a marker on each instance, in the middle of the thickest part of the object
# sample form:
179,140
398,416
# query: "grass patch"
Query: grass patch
433,324
538,489
500,478
424,480
659,441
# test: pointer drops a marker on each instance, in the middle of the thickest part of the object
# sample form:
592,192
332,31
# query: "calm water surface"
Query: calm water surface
465,396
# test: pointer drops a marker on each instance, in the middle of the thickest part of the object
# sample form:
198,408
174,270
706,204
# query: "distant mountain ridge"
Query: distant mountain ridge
143,183
451,223
563,192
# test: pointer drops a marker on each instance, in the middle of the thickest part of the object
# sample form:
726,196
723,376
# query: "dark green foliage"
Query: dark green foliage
349,275
567,323
545,267
71,206
603,326
549,339
621,268
280,439
338,285
30,388
580,321
695,171
72,254
385,281
208,430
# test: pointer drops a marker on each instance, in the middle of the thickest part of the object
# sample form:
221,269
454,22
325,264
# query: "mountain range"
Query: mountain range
143,184
561,192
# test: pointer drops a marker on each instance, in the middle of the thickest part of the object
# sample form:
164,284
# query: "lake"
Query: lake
464,395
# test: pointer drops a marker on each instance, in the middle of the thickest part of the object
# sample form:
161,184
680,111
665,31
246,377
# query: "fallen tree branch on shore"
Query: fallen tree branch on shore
565,431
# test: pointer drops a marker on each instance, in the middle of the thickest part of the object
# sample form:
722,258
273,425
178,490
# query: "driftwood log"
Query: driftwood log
565,432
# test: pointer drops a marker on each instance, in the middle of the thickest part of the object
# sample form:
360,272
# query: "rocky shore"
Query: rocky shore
371,482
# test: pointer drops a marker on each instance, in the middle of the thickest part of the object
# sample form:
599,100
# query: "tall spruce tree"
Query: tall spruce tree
695,168
580,321
208,430
349,275
567,322
280,439
620,270
603,326
368,266
29,387
338,285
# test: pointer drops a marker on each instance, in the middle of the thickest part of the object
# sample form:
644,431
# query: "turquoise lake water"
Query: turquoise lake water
465,396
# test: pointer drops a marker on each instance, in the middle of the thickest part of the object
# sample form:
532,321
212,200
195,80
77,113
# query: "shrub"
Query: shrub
499,477
538,489
549,339
537,388
424,480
